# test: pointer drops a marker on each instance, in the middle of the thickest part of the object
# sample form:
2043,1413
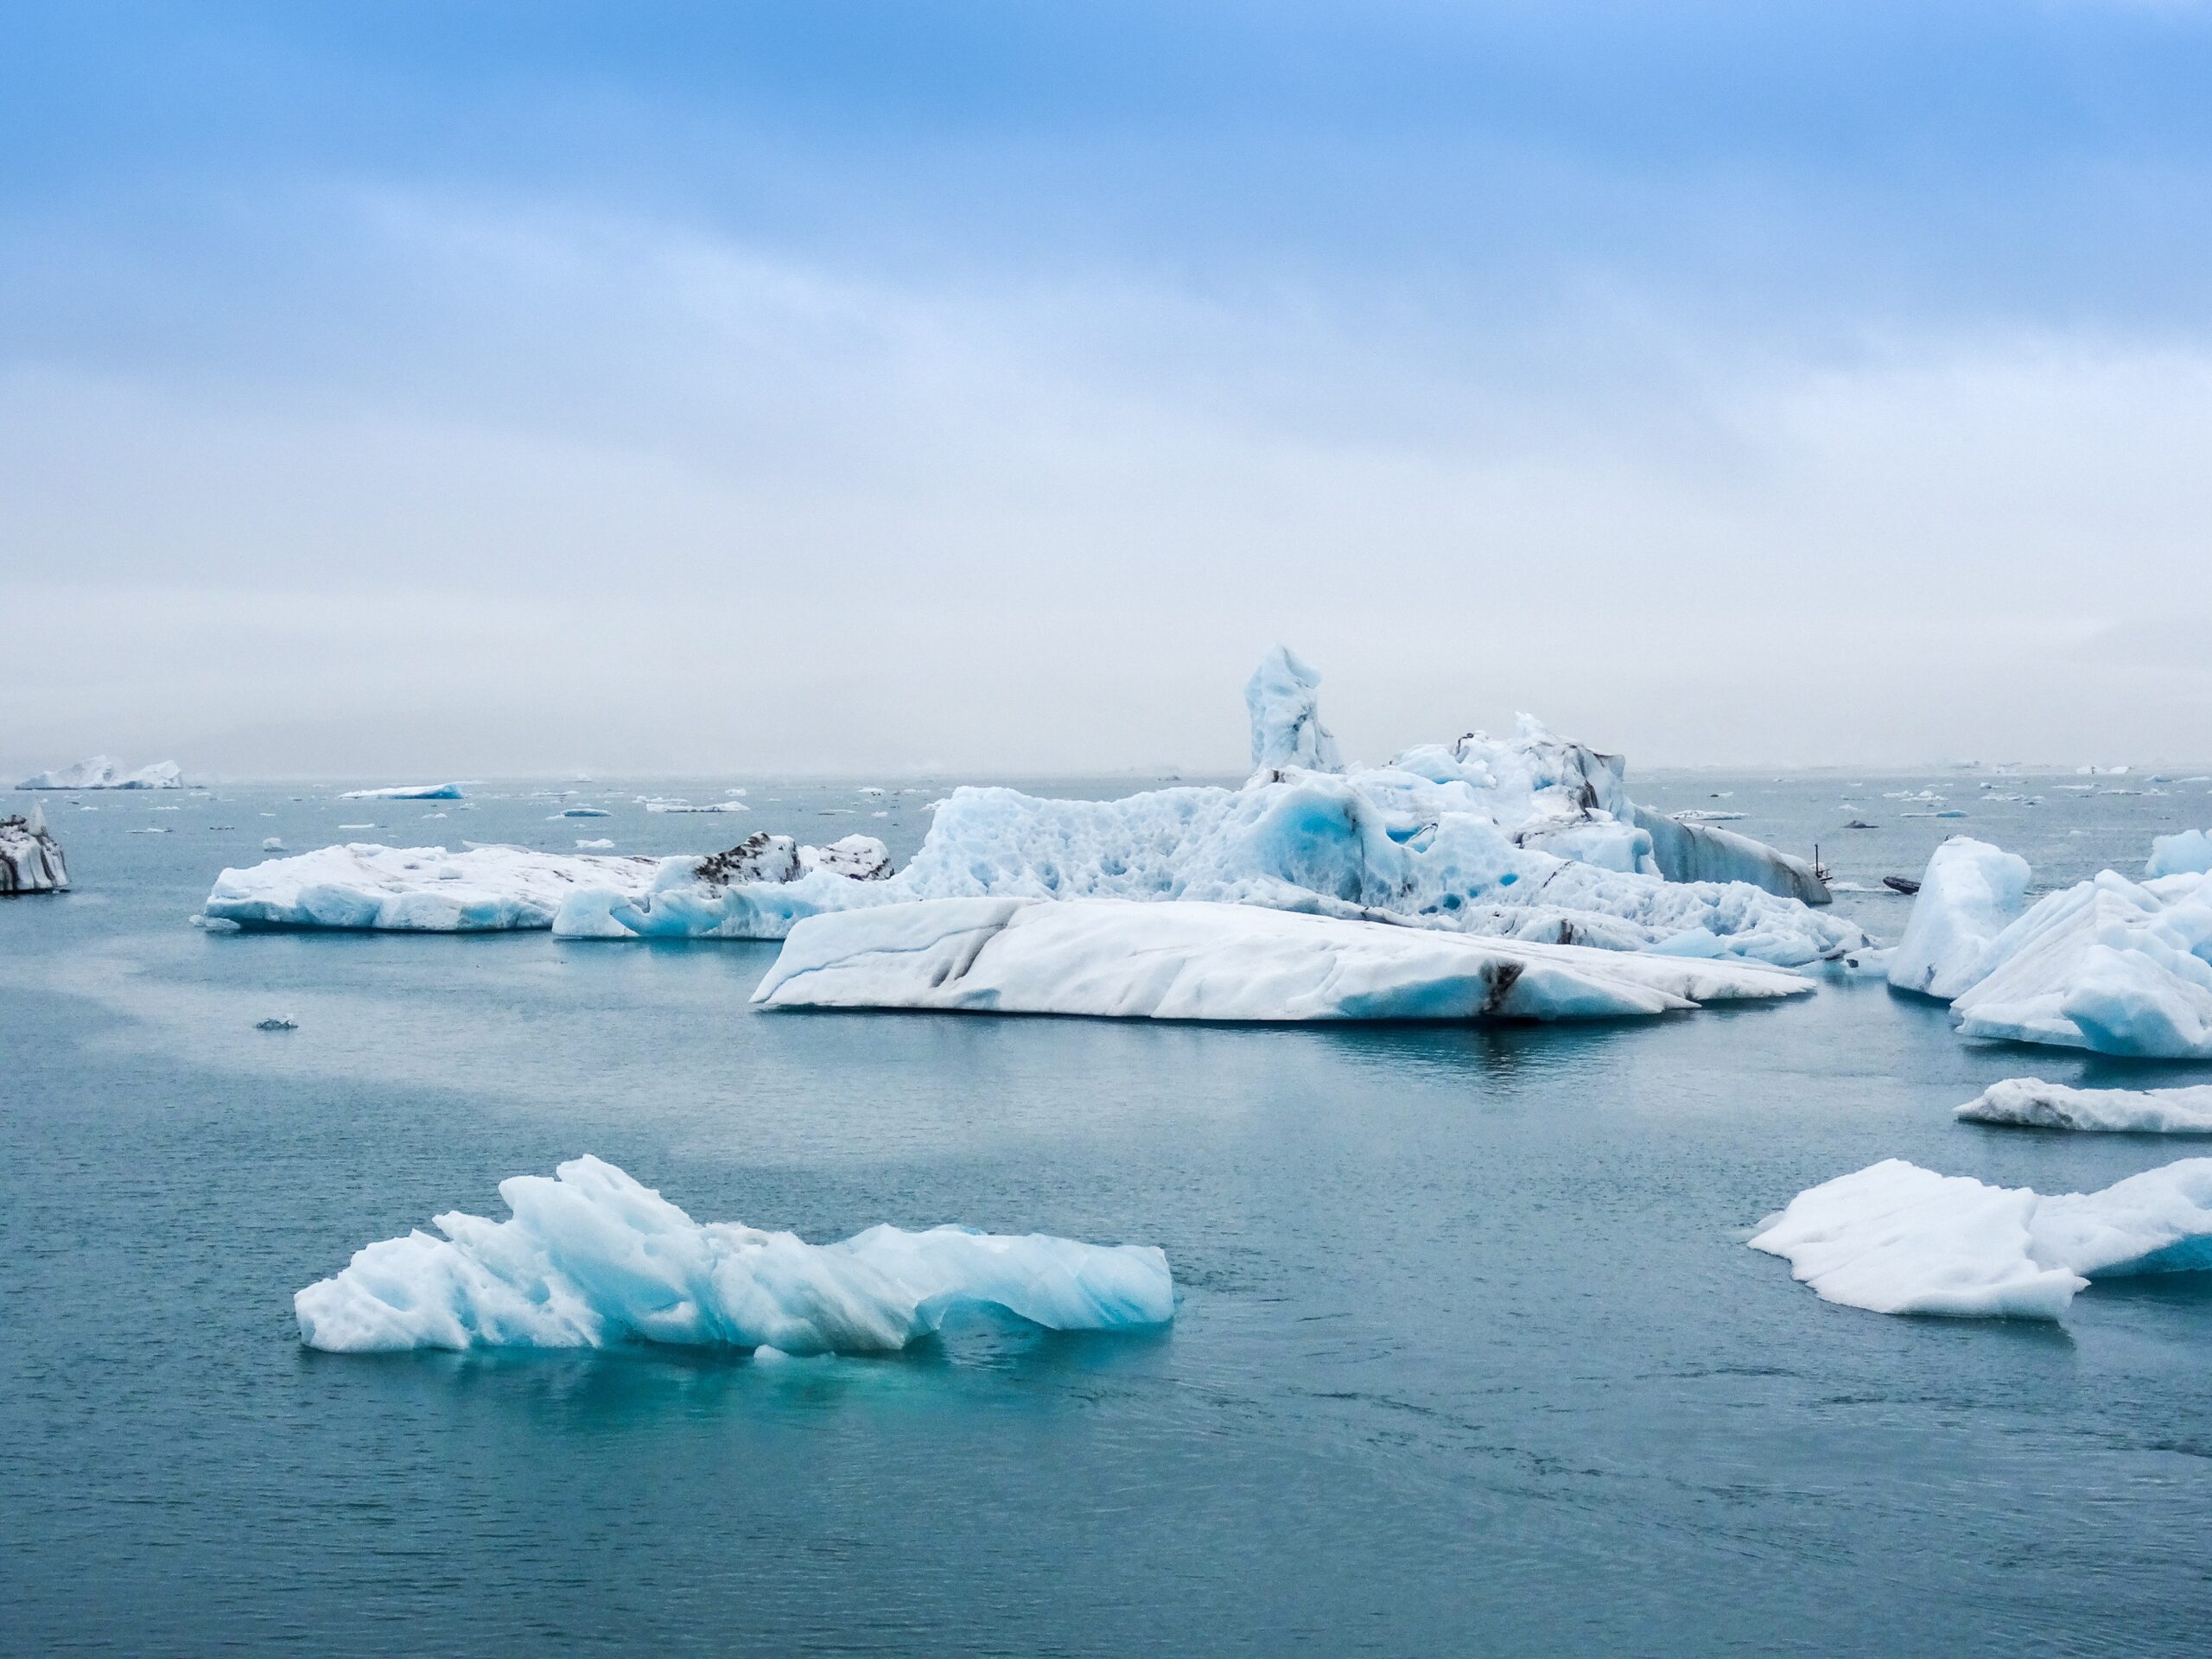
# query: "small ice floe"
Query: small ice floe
152,829
872,792
2030,1103
406,792
583,812
1713,816
592,1259
272,844
601,845
1896,1238
357,826
1856,823
276,1022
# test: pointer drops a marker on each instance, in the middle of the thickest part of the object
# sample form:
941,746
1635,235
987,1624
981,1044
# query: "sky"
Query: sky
414,390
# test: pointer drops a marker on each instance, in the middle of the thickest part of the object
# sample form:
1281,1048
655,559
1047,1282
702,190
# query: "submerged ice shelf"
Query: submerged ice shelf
2109,964
1213,961
590,1259
1896,1238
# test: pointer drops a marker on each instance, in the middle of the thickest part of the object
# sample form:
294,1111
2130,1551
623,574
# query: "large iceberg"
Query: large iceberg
1970,893
2109,964
30,858
1897,1238
405,792
591,1259
101,773
2030,1103
1122,959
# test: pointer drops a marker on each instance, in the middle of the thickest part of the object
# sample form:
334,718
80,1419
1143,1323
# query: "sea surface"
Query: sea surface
1470,1356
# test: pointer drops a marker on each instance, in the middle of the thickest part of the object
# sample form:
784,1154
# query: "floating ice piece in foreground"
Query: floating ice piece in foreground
100,772
1287,728
2033,1104
1196,961
591,1258
1899,1239
406,792
30,858
1970,893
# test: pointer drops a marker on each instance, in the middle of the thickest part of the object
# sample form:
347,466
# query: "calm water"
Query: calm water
1472,1358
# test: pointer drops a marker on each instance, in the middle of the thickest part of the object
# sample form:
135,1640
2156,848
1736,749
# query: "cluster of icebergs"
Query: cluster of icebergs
30,858
2109,964
590,1258
1521,843
101,773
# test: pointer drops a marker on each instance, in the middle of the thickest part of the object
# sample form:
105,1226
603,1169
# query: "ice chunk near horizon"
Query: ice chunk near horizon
1287,728
1896,1238
30,858
2031,1103
101,773
1970,892
1197,961
591,1258
405,792
2188,853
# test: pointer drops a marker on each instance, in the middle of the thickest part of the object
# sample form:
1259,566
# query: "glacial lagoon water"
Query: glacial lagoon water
1470,1356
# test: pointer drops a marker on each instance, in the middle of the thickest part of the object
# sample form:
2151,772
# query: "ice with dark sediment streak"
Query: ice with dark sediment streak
30,858
1195,961
1896,1238
590,1258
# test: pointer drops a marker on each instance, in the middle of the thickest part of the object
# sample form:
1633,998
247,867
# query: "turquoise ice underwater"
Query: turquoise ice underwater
1470,1354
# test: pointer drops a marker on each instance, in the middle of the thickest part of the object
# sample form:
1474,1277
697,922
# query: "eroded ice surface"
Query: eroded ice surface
1897,1238
2117,966
406,792
2033,1104
1970,892
2188,853
30,858
100,772
417,889
590,1258
1282,703
1202,961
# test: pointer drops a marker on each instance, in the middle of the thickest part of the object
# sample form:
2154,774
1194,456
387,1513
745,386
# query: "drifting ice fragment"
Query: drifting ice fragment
1896,1238
2187,854
2033,1104
1970,894
591,1259
1212,961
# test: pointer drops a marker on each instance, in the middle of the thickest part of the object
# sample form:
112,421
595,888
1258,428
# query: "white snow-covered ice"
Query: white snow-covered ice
1285,717
30,858
2031,1103
2188,853
417,889
1198,961
590,1258
1897,1238
406,792
100,772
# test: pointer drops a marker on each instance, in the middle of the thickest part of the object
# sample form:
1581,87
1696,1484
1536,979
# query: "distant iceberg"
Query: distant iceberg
591,1259
406,792
2108,964
30,858
1195,960
1896,1238
2030,1103
100,772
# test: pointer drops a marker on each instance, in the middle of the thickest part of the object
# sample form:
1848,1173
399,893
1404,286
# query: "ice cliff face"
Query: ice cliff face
100,772
591,1259
30,858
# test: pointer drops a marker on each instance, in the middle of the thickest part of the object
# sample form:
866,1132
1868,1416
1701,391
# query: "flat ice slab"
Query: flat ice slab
405,792
2031,1103
418,889
1897,1238
1129,959
590,1259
